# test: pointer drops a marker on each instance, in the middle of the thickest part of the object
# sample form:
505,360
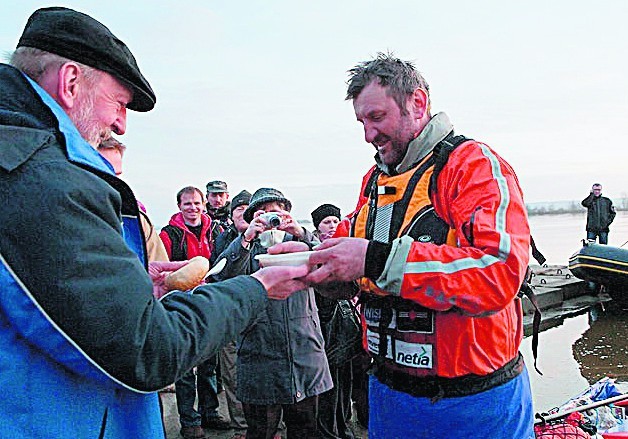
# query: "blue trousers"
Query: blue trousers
504,412
186,387
603,236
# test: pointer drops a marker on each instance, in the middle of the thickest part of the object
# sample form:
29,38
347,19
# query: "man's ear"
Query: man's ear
69,85
420,103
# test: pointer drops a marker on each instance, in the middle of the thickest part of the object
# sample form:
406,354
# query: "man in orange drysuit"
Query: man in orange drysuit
439,247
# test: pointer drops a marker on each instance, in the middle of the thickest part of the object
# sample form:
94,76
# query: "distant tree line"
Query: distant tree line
570,207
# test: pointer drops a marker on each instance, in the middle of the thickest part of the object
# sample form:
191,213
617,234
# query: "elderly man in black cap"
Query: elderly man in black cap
84,343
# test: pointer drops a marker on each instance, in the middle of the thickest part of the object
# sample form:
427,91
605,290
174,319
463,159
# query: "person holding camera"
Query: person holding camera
282,365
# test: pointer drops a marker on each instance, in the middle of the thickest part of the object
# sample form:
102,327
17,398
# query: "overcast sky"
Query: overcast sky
252,92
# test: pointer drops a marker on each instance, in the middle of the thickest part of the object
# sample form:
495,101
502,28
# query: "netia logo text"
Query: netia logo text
422,358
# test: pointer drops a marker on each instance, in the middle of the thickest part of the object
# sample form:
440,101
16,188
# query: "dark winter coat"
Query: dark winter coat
281,356
83,343
224,239
600,213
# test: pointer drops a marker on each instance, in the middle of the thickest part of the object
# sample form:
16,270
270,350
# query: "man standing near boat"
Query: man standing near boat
440,245
600,214
84,344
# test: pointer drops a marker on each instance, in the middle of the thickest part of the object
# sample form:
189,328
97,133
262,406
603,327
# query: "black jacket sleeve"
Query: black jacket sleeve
588,200
238,259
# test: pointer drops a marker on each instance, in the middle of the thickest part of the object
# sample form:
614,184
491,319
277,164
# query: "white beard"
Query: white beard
82,116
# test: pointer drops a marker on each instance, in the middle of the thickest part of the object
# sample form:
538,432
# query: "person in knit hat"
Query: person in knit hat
325,219
238,224
334,406
282,367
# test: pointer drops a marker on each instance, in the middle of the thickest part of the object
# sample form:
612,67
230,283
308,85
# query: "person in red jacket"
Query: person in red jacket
189,234
439,245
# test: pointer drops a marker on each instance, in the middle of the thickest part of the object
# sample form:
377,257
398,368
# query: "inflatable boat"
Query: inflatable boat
605,265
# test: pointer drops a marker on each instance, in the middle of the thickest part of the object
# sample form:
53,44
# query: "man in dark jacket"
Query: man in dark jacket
84,345
600,214
238,224
218,204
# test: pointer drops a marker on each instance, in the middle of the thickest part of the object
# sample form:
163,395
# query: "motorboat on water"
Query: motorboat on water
604,265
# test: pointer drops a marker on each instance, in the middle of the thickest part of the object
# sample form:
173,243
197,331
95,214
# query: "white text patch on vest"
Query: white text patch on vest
417,355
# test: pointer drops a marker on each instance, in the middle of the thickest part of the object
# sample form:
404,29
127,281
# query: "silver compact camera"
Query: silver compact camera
272,219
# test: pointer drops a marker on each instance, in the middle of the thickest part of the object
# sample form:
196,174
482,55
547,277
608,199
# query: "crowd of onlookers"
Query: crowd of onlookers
300,365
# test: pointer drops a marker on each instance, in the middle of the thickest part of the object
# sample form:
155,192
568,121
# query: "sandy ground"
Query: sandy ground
171,419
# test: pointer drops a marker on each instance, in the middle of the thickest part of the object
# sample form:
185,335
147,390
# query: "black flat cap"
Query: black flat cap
79,37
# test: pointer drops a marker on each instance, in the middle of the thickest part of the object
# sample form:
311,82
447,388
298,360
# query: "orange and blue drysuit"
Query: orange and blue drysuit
446,258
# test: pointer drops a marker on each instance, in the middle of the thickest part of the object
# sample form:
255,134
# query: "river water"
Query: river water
579,349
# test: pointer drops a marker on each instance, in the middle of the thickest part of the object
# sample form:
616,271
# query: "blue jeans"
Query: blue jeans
204,380
603,236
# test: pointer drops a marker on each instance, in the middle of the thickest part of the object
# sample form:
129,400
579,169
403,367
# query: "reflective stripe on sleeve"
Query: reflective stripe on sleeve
500,217
450,267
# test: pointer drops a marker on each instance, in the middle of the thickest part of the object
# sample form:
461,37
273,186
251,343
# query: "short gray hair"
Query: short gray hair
35,63
401,78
